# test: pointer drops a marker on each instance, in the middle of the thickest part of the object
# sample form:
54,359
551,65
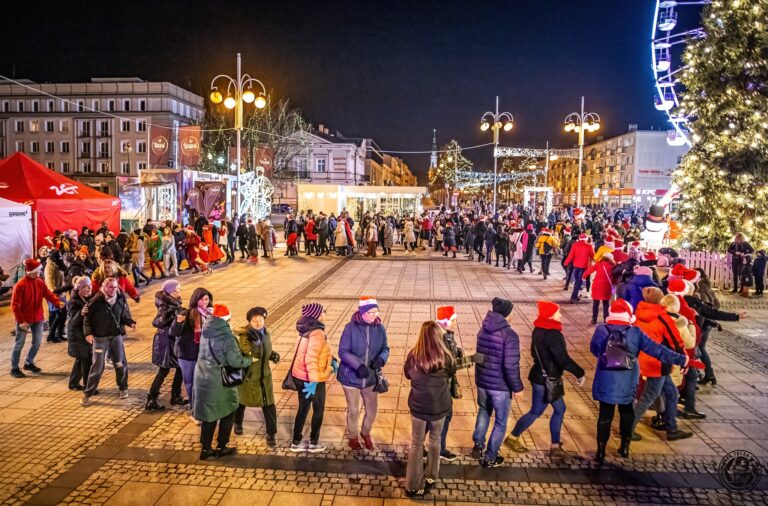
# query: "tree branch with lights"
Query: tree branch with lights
450,166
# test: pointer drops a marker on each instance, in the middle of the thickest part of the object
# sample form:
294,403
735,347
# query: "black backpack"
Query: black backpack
617,356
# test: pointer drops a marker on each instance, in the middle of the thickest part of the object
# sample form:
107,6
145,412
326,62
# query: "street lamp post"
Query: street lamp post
239,91
496,124
579,122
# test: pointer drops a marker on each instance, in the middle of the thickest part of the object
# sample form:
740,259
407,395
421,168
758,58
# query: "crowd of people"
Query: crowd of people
657,316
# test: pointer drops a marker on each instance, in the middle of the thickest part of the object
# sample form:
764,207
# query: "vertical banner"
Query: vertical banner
264,158
189,145
159,146
233,159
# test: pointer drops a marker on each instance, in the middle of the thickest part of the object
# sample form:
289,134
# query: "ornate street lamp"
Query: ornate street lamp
581,122
496,121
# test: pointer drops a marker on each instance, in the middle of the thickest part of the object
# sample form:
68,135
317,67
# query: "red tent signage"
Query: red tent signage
58,203
189,145
159,146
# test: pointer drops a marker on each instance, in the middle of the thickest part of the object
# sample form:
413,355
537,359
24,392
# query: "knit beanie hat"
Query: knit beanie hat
79,282
652,294
312,310
620,313
170,285
547,309
643,271
501,306
256,311
365,304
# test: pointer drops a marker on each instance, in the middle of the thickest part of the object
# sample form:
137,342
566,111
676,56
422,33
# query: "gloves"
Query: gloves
309,389
363,371
696,364
378,363
334,365
274,357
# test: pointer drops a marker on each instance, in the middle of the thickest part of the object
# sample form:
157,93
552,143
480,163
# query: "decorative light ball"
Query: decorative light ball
229,103
261,102
484,126
248,96
508,126
216,97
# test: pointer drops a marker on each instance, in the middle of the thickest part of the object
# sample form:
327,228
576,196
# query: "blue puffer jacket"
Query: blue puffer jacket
361,343
619,387
500,345
633,290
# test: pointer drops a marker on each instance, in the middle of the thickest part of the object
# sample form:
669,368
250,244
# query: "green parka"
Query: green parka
257,389
212,400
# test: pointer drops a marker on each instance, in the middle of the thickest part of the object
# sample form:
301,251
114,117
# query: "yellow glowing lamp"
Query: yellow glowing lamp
568,127
261,102
249,96
484,126
553,157
229,103
216,97
508,126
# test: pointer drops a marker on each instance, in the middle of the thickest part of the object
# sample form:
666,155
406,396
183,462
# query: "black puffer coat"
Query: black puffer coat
430,397
162,344
104,320
77,346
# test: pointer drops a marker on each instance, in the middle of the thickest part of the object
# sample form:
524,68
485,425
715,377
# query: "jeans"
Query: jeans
57,321
577,274
653,388
317,403
444,433
270,417
171,263
80,370
225,430
415,471
496,402
180,255
162,372
708,371
102,345
605,419
691,380
21,336
538,405
188,373
371,405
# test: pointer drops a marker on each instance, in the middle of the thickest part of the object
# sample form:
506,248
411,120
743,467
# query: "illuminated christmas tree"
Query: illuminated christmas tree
723,178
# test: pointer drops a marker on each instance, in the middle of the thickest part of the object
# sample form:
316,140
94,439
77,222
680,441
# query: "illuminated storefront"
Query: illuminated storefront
388,200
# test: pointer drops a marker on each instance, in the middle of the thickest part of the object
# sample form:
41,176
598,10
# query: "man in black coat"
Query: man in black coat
104,328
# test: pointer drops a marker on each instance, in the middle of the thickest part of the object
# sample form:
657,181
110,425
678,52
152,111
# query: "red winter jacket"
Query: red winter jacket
581,255
648,320
309,229
27,299
601,286
619,256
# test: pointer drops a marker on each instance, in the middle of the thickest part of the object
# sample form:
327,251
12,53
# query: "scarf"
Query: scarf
202,316
110,300
548,323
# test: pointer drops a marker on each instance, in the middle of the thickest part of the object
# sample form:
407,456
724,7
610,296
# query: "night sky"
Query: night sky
389,70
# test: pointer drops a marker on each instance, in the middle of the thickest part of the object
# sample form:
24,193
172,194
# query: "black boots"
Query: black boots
152,404
624,448
600,455
178,400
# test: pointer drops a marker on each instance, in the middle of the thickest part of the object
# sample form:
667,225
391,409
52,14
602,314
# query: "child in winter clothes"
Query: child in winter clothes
758,272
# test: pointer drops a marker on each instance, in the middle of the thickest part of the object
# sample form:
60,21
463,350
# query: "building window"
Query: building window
65,167
125,168
125,146
35,106
80,106
141,166
85,129
20,146
50,165
103,128
49,146
34,127
63,126
125,126
85,149
19,127
103,150
34,147
6,106
141,126
65,106
103,167
126,105
320,165
85,167
65,147
49,126
49,106
142,105
20,106
141,147
95,105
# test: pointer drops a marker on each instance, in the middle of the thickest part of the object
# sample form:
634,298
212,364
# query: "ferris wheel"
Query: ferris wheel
668,43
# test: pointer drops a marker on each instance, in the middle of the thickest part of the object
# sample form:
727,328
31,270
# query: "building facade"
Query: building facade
95,132
632,169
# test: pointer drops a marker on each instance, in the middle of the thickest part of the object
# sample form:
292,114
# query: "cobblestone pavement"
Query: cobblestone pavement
53,450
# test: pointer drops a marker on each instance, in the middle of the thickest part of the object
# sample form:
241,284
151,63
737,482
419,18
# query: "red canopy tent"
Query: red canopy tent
58,203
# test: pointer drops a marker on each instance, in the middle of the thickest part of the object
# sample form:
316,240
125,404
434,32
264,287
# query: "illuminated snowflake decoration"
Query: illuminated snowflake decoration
256,194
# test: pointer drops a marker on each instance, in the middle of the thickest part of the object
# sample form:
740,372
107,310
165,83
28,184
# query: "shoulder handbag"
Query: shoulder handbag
288,383
382,383
554,389
230,376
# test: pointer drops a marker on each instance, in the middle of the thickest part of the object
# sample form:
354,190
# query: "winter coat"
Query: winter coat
449,238
708,311
633,289
313,353
580,255
516,244
184,345
321,227
212,400
310,231
688,335
371,233
410,235
546,244
489,237
620,387
27,299
430,396
361,344
162,344
77,346
137,253
706,293
549,345
651,319
602,288
500,345
257,388
389,234
104,320
341,236
529,242
155,247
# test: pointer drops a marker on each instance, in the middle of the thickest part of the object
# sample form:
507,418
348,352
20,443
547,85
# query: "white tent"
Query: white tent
16,233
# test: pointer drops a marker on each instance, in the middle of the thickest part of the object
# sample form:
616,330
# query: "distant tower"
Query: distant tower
433,158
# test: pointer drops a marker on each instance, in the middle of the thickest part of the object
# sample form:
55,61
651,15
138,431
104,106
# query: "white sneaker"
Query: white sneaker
298,447
85,401
123,394
316,448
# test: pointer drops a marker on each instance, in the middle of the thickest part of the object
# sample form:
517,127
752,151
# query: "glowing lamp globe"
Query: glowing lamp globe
216,97
229,103
508,126
261,102
484,126
248,97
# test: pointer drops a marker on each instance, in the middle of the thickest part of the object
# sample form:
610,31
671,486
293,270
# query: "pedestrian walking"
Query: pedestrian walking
77,347
170,257
546,244
168,304
602,286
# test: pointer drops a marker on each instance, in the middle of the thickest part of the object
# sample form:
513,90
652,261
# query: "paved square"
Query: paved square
53,450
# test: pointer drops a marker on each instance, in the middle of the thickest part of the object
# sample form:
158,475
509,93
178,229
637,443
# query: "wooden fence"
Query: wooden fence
716,265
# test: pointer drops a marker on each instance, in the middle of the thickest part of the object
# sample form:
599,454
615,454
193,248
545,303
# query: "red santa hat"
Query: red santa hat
568,230
445,314
635,244
547,309
677,286
32,265
365,304
221,311
618,244
650,257
692,275
609,244
620,313
677,272
546,230
582,237
578,212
